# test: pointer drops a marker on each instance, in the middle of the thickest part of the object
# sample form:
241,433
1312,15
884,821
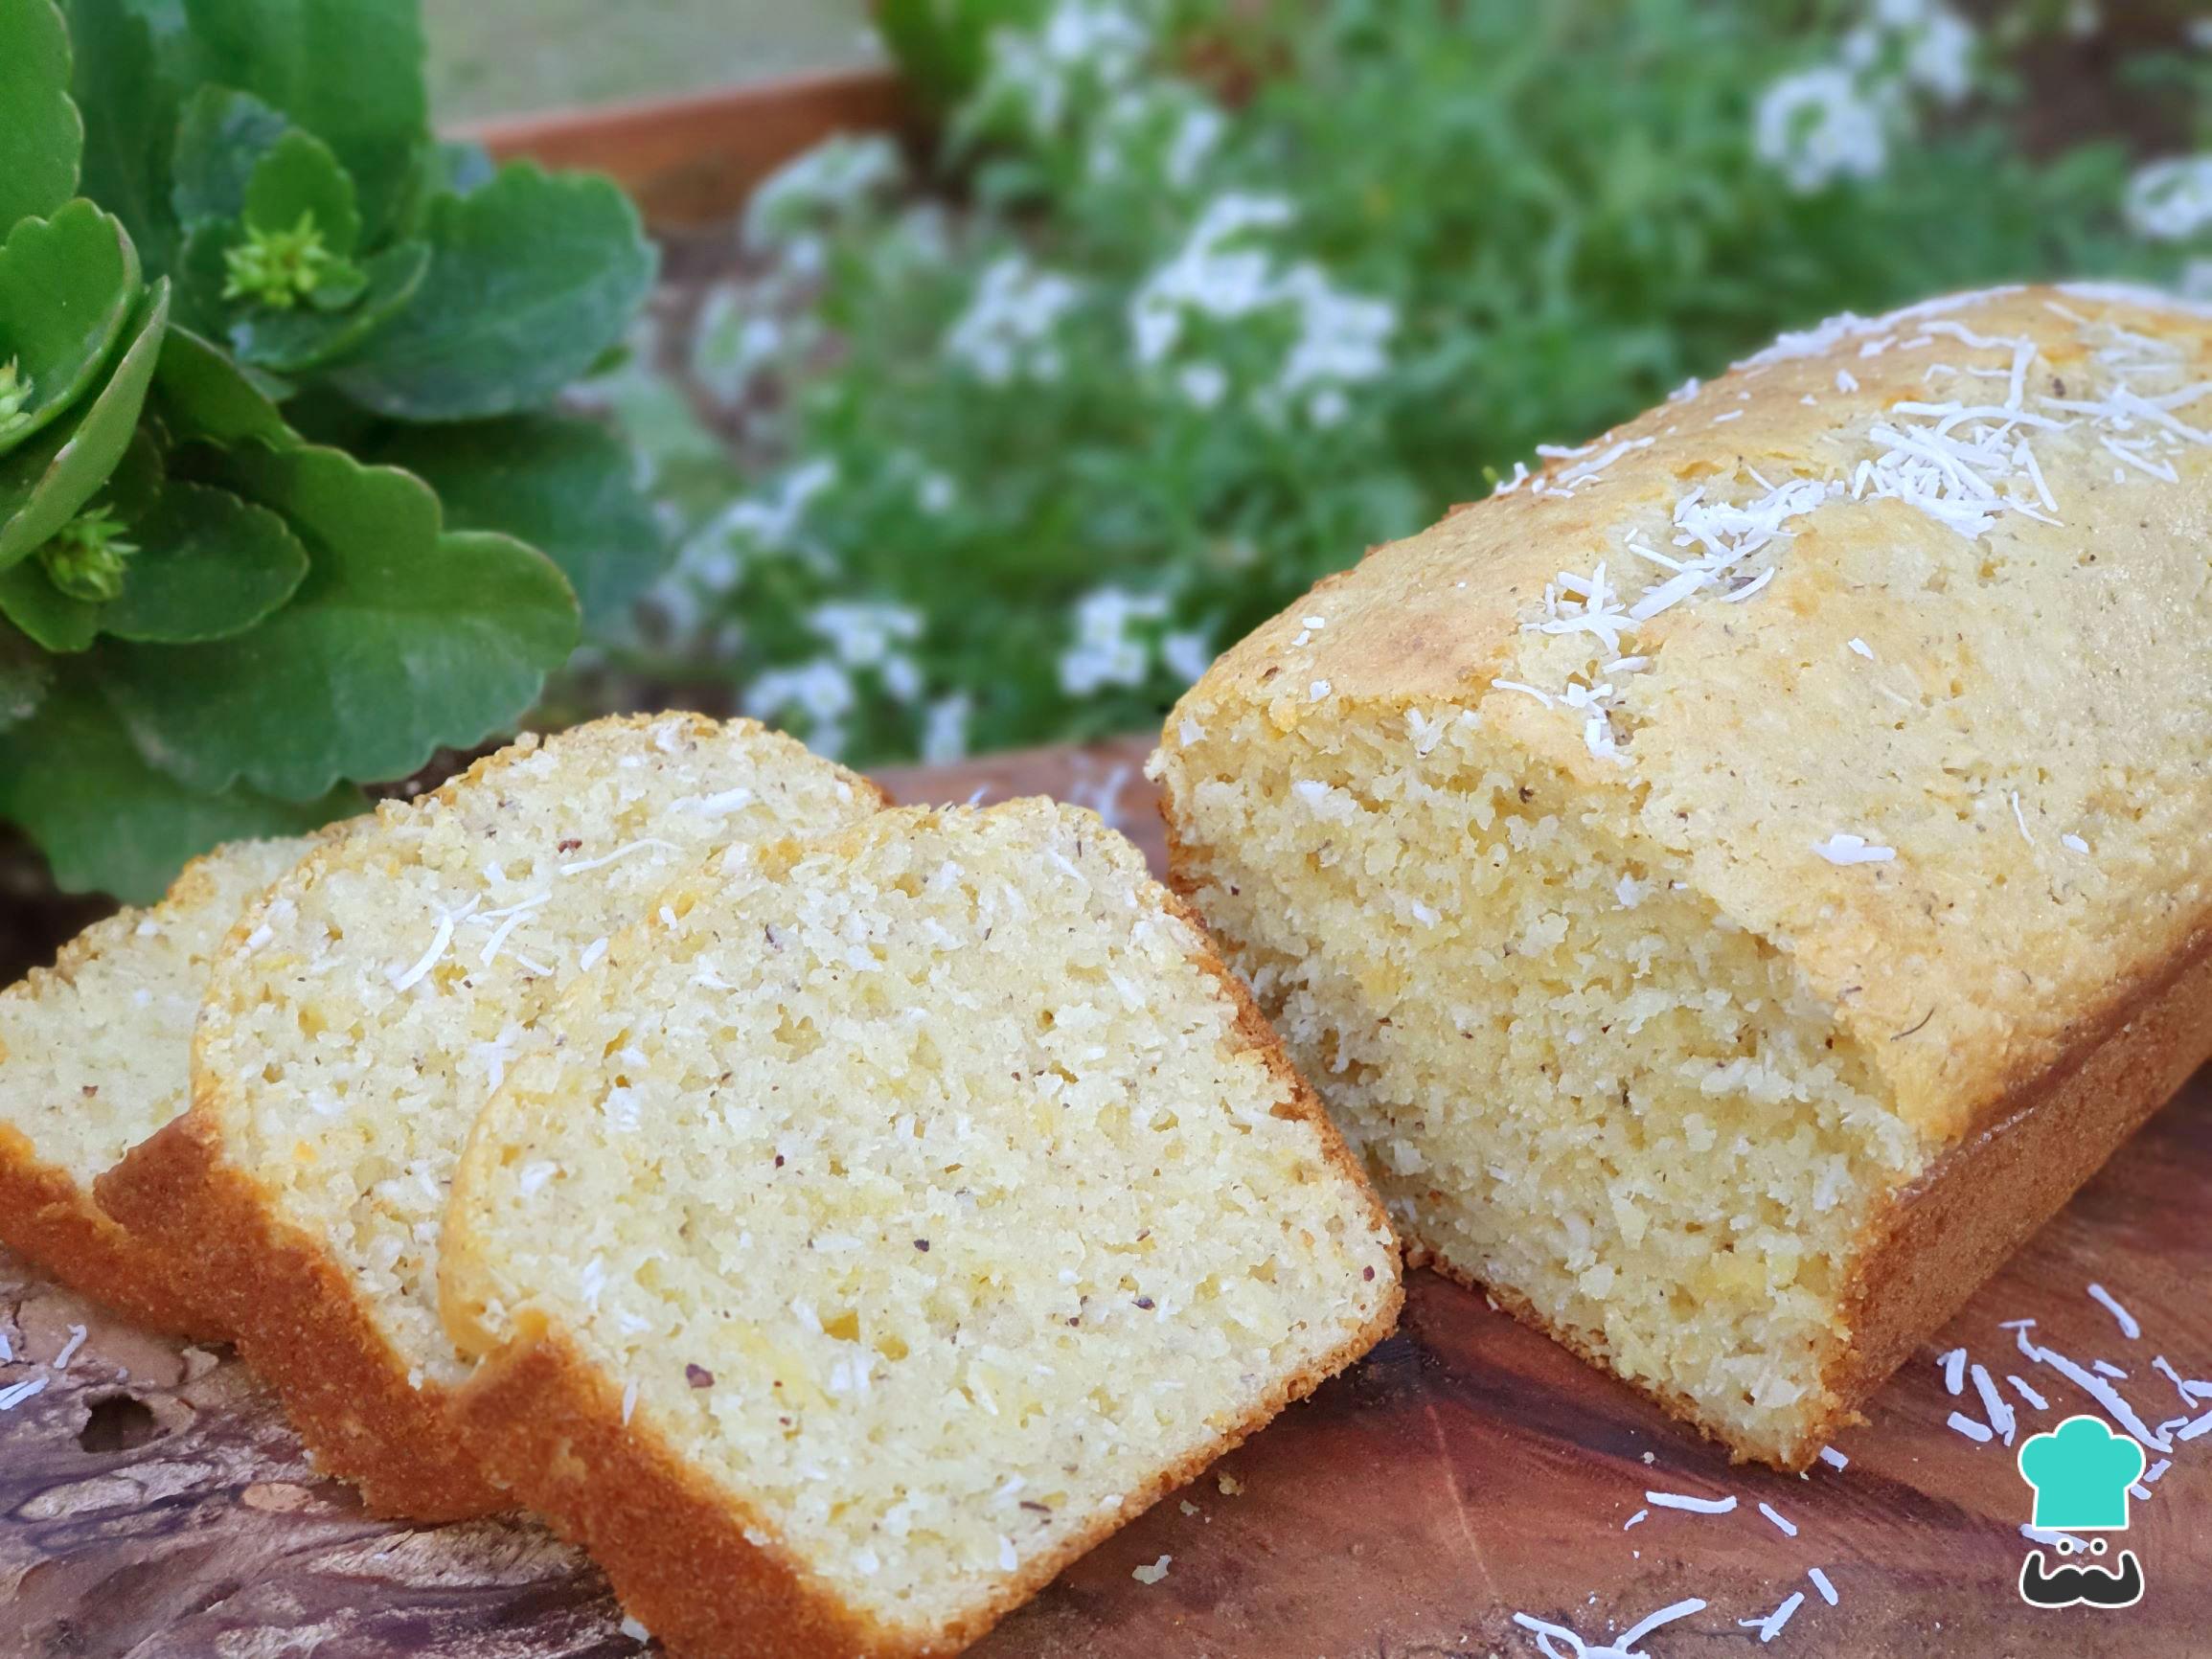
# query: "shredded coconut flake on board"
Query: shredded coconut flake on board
68,1348
1834,1459
2129,1327
1550,1637
1994,1405
16,1393
1977,1432
1820,1582
1771,1626
1696,1506
1154,1573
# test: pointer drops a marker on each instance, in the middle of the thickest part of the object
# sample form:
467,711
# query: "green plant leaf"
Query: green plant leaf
71,775
67,285
349,71
44,483
304,338
58,622
207,399
130,116
400,639
207,565
221,140
300,176
25,673
560,484
530,279
40,135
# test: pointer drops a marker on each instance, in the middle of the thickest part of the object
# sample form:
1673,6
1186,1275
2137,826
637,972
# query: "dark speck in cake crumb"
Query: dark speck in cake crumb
698,1376
1145,1303
923,1245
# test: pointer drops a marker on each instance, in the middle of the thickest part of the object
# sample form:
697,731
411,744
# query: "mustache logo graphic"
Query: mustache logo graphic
2044,1586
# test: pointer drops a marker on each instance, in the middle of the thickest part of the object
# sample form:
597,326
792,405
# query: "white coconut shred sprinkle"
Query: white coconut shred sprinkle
68,1348
628,1400
1834,1459
622,852
1843,849
1820,1582
2129,1327
1977,1432
1557,1641
1994,1405
1771,1626
1786,1526
1694,1506
407,978
16,1393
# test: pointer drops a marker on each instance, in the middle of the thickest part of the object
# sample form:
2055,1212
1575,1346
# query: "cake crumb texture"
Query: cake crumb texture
96,1056
928,1194
1704,841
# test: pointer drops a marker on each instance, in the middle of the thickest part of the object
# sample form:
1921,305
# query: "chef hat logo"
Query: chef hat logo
2080,1472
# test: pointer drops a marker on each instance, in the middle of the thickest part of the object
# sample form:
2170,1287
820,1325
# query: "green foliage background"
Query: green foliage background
256,321
1564,212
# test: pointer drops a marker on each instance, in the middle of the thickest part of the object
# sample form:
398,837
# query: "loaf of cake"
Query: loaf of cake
95,1055
901,1212
1734,885
357,1018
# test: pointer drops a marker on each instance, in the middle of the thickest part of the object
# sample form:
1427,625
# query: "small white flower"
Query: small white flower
832,178
1187,654
1196,137
771,522
2171,201
1006,333
1940,57
821,690
936,493
1105,652
1817,127
1208,276
1203,384
944,729
861,631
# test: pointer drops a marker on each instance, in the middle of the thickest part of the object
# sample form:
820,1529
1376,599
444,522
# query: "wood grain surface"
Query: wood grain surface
153,1505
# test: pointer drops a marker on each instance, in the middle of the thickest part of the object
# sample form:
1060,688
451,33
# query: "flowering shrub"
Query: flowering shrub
1208,298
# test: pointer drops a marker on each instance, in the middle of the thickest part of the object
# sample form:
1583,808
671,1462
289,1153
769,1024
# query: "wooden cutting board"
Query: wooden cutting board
152,1503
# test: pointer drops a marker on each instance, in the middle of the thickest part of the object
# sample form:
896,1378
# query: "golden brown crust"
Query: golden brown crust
298,1317
675,1545
1938,1240
58,1225
299,1324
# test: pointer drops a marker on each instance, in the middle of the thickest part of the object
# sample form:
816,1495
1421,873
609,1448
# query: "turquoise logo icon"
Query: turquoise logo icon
2080,1474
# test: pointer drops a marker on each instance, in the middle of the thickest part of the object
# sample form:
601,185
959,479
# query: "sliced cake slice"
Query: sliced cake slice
358,1019
95,1055
902,1213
